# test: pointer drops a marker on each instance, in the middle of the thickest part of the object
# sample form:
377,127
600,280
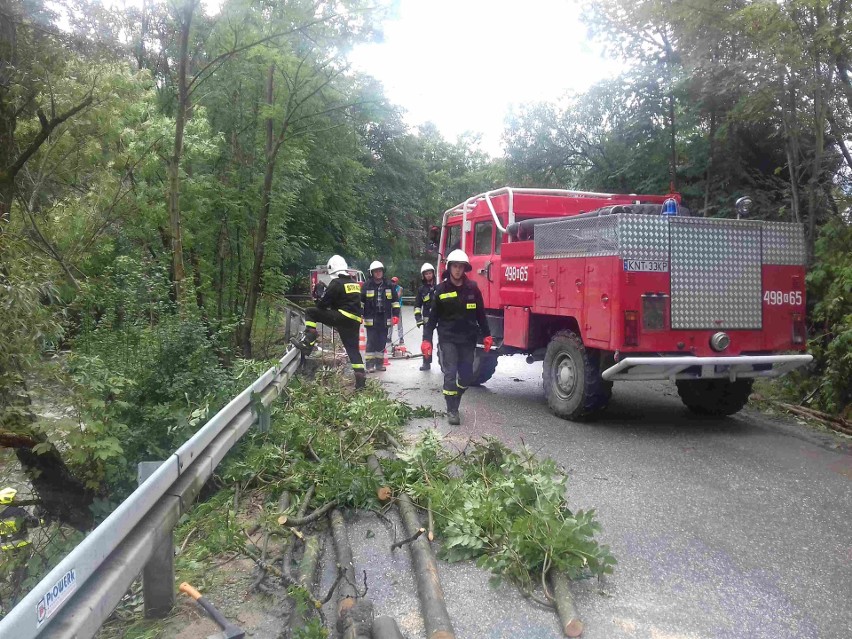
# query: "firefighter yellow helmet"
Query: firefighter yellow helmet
460,257
336,265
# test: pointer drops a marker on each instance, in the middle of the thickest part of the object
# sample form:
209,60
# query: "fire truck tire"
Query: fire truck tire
484,365
717,397
572,378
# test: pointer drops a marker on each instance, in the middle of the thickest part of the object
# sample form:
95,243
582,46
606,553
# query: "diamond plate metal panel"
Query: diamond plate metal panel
784,243
643,237
586,237
715,274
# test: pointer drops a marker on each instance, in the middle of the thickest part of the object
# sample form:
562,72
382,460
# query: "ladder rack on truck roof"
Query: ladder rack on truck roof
463,208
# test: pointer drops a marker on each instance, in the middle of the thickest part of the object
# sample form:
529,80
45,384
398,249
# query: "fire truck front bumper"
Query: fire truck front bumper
688,367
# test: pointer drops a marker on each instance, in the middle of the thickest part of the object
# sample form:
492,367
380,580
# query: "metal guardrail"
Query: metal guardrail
78,595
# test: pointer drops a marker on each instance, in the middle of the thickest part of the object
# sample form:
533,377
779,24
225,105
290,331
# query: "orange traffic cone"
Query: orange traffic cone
387,361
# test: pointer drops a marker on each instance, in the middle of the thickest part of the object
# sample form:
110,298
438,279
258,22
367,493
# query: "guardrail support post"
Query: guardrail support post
287,321
158,576
158,580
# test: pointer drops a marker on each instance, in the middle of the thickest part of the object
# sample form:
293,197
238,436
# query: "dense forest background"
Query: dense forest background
167,175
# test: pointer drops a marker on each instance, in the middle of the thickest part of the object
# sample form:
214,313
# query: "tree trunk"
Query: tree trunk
840,140
219,282
8,121
237,291
669,62
177,152
841,59
7,195
63,496
255,280
673,129
820,108
791,132
196,281
709,174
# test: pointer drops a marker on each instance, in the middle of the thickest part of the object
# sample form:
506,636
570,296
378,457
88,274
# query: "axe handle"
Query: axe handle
209,608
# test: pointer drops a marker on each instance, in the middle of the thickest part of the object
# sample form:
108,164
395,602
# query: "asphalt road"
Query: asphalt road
723,528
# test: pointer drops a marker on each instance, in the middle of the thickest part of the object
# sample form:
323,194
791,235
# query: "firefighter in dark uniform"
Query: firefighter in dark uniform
381,311
423,304
340,308
458,313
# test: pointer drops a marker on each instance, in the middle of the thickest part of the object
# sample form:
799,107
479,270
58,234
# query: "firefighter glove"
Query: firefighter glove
395,321
487,343
419,324
426,348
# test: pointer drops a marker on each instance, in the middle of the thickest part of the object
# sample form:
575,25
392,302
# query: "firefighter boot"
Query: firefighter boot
426,366
307,342
453,402
360,380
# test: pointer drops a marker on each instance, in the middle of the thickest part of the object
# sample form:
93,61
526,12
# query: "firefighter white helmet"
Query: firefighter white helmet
426,267
376,265
461,257
336,265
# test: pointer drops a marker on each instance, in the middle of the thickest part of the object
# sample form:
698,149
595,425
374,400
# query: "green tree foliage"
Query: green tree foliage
165,175
720,99
830,282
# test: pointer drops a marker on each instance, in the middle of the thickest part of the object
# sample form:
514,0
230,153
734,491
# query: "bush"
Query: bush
827,381
144,376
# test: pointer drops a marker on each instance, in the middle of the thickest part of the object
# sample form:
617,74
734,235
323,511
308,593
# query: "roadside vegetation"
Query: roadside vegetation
505,510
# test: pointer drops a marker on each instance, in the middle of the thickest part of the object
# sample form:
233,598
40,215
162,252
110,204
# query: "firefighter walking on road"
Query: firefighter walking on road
423,304
458,313
381,311
339,308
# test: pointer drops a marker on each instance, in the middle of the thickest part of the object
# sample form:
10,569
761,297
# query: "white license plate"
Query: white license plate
650,266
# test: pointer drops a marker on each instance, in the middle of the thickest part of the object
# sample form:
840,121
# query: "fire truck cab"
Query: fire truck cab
604,287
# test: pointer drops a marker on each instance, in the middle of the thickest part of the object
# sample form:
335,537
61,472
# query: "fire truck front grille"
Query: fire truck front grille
715,274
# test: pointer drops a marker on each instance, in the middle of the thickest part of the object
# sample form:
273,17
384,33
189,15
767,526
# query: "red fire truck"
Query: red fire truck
604,288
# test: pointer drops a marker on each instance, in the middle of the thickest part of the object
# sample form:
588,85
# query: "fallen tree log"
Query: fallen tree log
354,611
433,607
62,496
835,422
386,628
568,619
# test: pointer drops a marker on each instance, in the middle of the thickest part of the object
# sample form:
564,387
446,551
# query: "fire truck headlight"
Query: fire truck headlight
743,206
719,342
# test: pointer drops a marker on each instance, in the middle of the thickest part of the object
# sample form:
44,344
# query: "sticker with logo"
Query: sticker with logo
56,596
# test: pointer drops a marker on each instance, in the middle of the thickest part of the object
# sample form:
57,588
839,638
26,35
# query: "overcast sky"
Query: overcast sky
462,63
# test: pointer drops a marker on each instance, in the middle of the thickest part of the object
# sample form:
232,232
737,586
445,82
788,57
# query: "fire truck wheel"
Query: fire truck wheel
718,397
484,365
572,379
